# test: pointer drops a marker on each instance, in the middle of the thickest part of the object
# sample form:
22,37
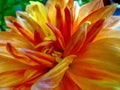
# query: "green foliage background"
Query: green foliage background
9,8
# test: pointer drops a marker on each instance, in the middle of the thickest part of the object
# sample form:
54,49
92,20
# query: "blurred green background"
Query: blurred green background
9,8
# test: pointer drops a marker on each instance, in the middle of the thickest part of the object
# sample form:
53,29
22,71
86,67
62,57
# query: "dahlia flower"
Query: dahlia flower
61,46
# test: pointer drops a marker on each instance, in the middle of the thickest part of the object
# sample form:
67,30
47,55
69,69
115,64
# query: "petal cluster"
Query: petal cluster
61,46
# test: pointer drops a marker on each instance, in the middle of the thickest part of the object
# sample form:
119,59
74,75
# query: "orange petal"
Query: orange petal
11,78
102,13
40,55
39,58
83,11
24,32
76,41
108,33
52,79
4,52
58,34
15,39
9,22
89,84
67,84
89,8
92,33
98,65
20,56
40,46
107,11
32,73
10,64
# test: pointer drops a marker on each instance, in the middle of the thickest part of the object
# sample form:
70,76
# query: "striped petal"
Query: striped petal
52,79
11,78
98,66
11,64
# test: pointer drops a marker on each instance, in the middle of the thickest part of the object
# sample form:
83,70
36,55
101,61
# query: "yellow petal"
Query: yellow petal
26,21
38,12
50,5
52,79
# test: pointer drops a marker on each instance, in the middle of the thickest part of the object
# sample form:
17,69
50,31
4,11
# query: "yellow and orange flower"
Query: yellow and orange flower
61,46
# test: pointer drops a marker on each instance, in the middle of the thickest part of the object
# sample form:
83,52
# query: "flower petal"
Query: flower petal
38,13
84,11
20,56
32,73
113,22
15,39
67,84
40,58
89,8
11,78
76,41
107,33
11,64
107,11
25,33
89,84
93,31
98,65
51,79
58,34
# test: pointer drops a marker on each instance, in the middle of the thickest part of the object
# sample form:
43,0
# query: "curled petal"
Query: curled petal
52,79
20,56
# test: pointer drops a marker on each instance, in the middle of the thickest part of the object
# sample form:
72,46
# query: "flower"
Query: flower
61,46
